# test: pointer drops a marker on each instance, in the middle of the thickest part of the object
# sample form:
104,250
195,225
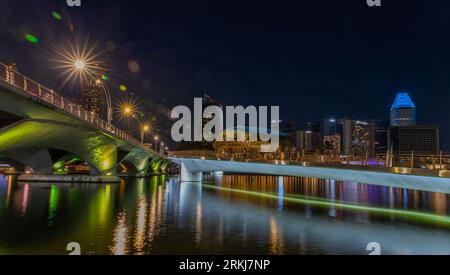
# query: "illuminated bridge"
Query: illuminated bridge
192,171
39,127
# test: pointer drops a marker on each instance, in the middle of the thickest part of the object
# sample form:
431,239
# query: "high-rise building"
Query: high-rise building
381,139
93,96
358,137
306,140
298,139
329,127
403,111
405,136
313,127
332,144
313,141
289,127
418,139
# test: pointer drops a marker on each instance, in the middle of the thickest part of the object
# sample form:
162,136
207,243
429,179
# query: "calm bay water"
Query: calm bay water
225,215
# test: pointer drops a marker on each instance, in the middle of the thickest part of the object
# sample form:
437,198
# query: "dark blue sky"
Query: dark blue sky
315,59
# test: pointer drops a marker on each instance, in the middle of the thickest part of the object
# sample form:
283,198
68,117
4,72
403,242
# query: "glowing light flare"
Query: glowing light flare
127,109
123,88
77,62
31,38
57,15
79,65
145,128
426,217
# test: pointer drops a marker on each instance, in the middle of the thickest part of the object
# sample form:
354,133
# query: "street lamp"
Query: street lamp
156,142
145,128
81,66
127,111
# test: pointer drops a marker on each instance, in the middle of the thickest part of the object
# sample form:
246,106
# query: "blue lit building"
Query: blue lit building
403,111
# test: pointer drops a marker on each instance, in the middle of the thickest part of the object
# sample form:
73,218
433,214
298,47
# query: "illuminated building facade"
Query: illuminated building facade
358,137
332,144
403,111
332,137
405,136
93,96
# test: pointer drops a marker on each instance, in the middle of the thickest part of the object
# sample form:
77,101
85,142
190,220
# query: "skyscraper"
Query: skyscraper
405,136
358,137
329,127
331,138
93,93
332,144
403,111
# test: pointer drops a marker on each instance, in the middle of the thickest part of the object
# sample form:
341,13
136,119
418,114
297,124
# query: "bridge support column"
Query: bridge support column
189,176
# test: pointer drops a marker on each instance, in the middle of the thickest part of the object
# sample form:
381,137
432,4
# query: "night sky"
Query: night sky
315,59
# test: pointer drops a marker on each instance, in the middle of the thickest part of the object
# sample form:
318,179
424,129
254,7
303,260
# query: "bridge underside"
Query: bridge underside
29,142
192,170
31,129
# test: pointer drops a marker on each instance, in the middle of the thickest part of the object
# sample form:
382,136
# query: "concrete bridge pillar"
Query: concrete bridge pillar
190,176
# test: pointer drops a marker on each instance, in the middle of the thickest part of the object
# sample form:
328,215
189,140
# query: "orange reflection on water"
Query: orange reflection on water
141,221
120,235
26,189
198,223
439,202
276,238
8,192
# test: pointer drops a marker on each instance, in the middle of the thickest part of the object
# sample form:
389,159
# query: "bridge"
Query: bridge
39,127
192,170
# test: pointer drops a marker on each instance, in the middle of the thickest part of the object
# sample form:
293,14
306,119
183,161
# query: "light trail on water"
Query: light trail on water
424,217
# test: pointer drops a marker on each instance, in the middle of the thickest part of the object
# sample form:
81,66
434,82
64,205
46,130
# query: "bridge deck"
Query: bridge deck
31,88
386,178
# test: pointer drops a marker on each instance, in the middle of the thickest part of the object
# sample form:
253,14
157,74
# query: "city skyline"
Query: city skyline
297,62
199,131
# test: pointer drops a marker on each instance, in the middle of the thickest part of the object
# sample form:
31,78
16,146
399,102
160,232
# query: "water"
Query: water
225,215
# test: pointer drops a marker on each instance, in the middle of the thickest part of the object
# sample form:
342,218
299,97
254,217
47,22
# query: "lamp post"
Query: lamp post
145,128
81,66
127,111
156,143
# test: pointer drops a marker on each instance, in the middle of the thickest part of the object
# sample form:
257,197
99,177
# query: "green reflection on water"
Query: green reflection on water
53,205
419,216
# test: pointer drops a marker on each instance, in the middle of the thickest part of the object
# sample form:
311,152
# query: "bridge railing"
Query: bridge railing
10,75
294,157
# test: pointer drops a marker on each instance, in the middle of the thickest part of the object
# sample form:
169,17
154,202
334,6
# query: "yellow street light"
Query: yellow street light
145,128
79,64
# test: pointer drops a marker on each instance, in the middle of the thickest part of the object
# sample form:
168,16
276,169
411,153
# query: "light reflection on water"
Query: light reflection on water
163,216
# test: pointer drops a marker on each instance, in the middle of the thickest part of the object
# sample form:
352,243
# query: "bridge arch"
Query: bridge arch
17,165
127,167
38,160
97,149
